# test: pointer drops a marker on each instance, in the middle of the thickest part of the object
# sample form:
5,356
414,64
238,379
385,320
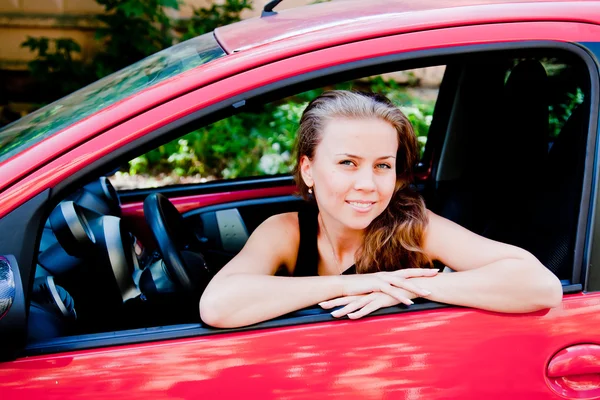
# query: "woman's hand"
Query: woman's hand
395,284
361,305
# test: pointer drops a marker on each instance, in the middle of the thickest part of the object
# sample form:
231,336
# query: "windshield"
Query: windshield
56,116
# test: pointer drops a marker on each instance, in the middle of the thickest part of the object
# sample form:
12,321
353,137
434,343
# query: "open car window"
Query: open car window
259,142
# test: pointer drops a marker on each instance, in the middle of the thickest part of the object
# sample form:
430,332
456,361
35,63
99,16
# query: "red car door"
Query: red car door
428,351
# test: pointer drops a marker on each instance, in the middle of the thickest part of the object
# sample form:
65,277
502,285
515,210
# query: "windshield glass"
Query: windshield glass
50,119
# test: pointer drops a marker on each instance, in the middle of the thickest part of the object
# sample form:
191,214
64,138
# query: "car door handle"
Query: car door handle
575,371
583,359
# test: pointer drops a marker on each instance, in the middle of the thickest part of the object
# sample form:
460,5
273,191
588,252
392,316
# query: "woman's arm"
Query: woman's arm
246,291
490,275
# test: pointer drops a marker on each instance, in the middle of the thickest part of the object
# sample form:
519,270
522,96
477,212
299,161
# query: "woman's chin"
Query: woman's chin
358,224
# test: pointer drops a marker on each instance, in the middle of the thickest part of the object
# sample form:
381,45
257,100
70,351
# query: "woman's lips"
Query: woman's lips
361,206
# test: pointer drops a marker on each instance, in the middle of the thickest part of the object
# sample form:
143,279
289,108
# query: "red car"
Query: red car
95,302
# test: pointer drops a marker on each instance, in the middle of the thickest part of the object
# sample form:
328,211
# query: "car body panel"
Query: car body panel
330,22
97,146
444,353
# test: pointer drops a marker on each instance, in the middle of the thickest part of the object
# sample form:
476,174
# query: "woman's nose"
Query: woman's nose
365,180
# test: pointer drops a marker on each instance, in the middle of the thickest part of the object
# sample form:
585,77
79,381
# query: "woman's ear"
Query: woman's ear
306,171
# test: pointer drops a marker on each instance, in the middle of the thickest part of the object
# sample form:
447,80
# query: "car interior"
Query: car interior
490,164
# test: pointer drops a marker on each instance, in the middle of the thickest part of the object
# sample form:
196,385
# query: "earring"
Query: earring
309,190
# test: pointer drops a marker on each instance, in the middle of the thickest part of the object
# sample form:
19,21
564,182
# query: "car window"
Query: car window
511,168
260,142
512,127
48,120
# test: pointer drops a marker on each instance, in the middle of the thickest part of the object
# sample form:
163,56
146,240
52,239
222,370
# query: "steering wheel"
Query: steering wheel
175,240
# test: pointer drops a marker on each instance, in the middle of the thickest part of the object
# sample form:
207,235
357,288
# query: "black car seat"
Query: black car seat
518,158
473,119
553,222
507,142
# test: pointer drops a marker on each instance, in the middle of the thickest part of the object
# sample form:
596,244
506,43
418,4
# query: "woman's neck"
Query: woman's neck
343,240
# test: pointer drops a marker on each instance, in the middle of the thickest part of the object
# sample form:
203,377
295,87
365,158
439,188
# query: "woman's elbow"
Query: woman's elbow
549,290
210,313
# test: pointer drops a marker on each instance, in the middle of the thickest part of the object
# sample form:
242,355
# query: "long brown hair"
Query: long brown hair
393,240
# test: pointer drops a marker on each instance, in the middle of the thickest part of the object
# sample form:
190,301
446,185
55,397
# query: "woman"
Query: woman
355,154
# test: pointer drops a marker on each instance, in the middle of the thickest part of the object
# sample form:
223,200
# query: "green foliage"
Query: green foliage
560,113
132,30
56,67
208,19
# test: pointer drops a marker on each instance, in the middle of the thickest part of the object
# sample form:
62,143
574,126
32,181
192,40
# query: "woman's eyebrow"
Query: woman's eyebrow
360,158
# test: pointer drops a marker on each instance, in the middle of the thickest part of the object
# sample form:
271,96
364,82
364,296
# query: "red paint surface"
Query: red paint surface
67,164
335,23
188,203
452,353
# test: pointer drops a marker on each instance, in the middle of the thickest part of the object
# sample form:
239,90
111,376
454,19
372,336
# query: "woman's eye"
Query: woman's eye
384,166
347,162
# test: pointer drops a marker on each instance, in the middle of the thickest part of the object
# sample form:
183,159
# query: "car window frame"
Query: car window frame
217,110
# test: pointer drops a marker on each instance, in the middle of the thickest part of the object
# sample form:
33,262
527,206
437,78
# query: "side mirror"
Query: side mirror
13,316
7,286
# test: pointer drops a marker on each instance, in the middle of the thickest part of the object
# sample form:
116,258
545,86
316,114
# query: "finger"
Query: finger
340,301
416,272
367,309
355,305
406,285
396,293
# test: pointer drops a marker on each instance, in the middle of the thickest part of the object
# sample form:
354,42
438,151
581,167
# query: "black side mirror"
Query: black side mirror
12,309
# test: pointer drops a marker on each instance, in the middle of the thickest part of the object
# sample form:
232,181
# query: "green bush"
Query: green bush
208,19
56,68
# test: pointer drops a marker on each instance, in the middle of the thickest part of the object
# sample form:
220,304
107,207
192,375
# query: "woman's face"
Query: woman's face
353,171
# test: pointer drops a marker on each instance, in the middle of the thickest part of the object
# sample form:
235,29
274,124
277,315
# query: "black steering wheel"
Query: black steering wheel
176,242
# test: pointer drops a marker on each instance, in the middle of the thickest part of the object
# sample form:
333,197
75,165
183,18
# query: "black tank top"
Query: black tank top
307,263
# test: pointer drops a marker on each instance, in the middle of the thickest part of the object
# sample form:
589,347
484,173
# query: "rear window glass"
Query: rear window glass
48,120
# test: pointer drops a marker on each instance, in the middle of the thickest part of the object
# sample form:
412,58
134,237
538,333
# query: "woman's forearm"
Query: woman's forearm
244,299
510,285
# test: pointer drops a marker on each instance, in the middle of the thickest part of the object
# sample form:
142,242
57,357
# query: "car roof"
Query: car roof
423,14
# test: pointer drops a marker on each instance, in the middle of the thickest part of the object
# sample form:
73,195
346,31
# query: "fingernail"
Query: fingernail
426,292
411,302
335,314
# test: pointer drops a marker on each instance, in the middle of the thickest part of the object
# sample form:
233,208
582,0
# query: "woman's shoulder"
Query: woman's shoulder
283,220
282,227
280,233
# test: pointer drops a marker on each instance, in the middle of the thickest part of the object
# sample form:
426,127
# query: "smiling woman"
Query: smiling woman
355,155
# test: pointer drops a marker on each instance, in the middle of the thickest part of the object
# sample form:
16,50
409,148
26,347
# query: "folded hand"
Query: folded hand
360,305
395,284
366,293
